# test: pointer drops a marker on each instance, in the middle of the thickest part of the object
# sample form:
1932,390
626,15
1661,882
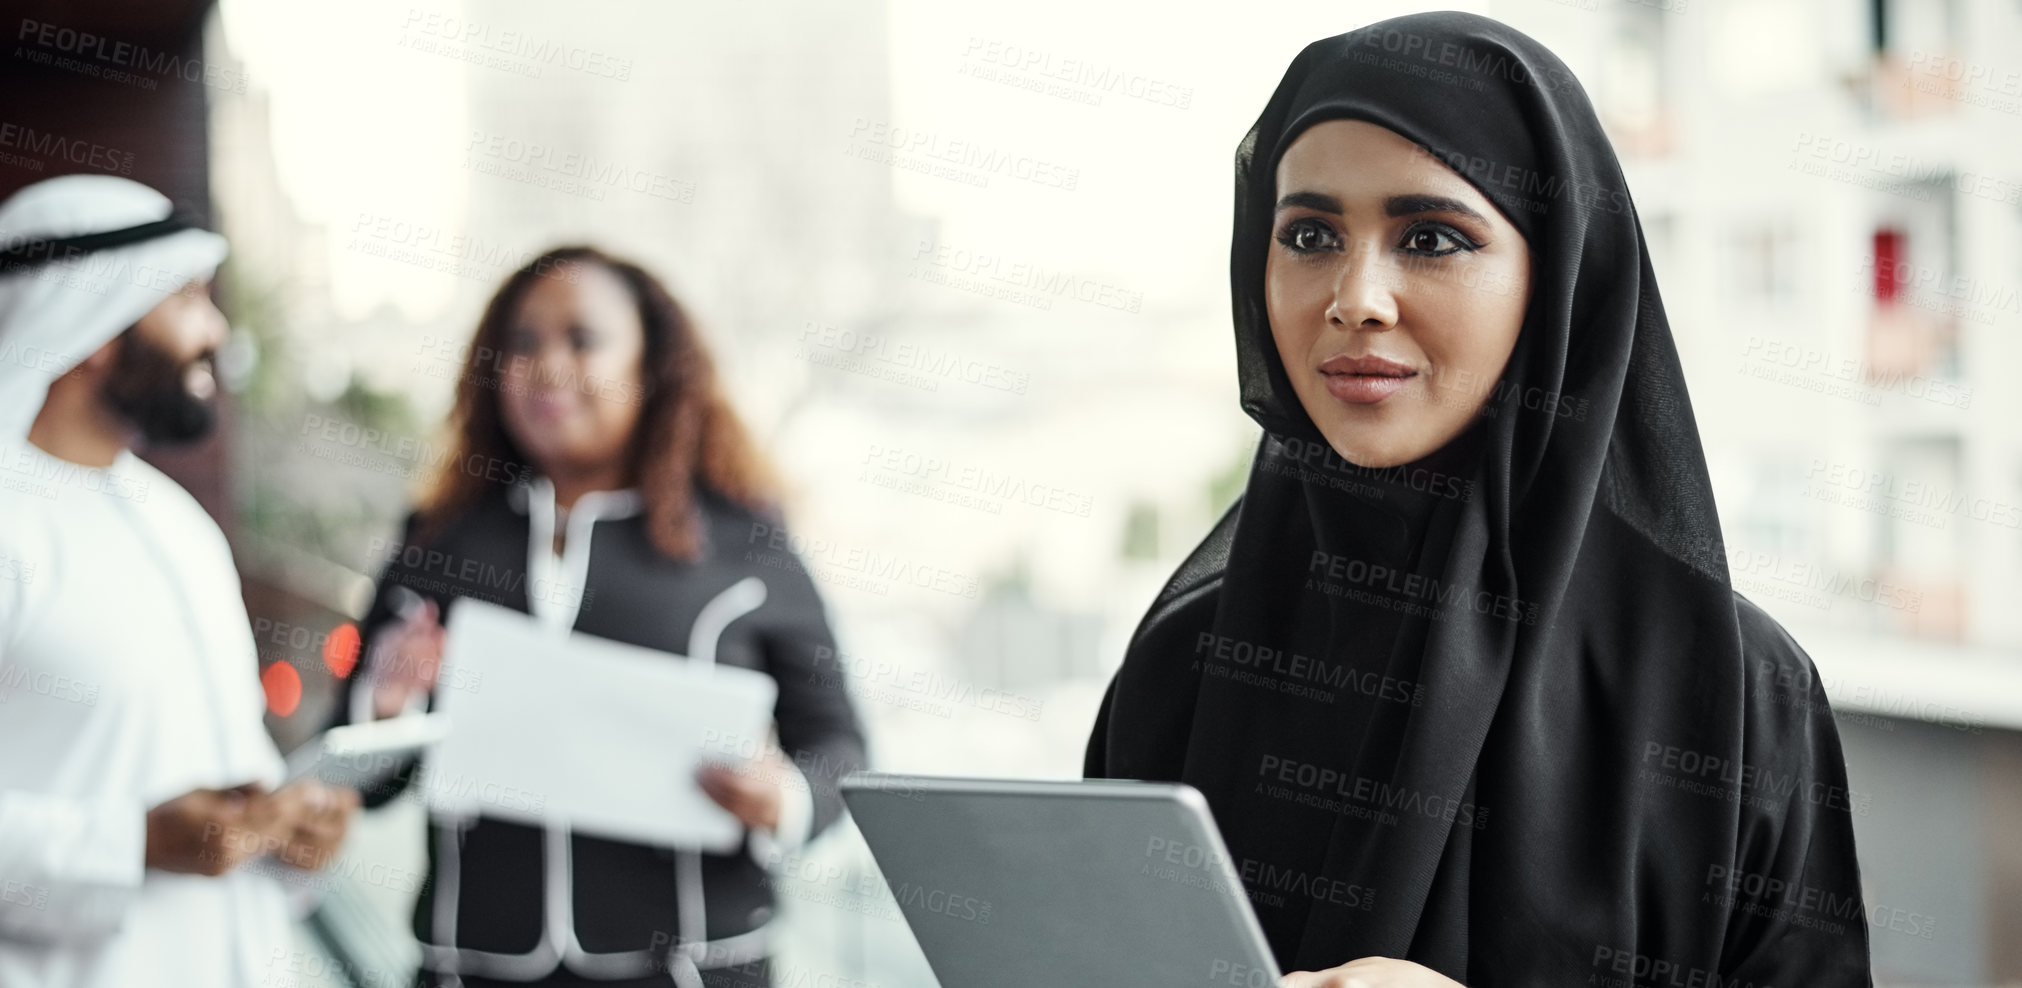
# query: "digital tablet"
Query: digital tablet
357,755
1014,883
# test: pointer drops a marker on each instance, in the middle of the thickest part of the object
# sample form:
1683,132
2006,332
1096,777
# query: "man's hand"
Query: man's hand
750,791
212,831
1370,972
322,819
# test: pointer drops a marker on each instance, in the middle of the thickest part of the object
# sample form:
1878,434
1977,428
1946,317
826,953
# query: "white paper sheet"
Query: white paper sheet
597,734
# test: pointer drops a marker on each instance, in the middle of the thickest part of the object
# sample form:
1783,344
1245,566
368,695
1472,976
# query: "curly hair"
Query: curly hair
688,437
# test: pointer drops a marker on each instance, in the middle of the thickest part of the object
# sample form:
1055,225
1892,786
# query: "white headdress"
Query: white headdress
62,296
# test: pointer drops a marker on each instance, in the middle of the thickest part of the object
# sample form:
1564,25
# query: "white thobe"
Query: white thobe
128,676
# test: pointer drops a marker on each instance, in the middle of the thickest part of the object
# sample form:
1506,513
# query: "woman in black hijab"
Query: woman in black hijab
1462,674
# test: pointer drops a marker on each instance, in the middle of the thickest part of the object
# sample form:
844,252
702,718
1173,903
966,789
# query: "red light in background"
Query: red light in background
1888,257
340,650
284,688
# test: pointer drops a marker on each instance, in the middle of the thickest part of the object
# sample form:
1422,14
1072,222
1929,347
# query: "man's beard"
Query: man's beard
148,388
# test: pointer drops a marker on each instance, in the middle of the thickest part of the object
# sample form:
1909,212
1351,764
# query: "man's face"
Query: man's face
161,378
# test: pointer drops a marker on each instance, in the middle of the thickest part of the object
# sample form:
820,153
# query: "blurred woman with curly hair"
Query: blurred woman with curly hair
598,480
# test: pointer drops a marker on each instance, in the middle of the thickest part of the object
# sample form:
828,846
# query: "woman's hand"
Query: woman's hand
750,791
1370,972
409,654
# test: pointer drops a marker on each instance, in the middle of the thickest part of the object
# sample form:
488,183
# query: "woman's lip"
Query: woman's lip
1365,389
551,404
1370,364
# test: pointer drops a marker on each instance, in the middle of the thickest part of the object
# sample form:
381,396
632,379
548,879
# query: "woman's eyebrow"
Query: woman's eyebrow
1407,205
1404,205
1311,200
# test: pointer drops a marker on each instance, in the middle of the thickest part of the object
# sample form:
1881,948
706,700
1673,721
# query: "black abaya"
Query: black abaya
1558,747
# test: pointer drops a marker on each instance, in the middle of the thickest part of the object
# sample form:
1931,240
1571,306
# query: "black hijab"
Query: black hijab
1498,711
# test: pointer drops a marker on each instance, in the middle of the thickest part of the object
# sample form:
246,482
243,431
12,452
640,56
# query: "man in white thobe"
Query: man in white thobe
141,807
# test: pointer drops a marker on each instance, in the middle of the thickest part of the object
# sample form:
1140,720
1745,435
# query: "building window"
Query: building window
1764,258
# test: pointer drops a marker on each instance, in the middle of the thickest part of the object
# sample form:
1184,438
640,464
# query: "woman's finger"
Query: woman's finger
718,783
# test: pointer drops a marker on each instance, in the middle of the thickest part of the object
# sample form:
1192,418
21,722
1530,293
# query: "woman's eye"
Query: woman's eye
521,341
581,339
1308,235
1434,241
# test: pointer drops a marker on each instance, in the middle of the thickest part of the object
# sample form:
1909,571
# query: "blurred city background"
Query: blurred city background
930,238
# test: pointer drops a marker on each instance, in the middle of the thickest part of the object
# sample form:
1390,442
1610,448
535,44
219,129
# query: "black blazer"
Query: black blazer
625,897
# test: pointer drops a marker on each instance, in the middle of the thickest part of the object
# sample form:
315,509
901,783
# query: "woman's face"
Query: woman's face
1395,291
572,381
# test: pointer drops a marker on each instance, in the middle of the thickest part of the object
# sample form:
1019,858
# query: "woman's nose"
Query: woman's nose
553,362
1364,291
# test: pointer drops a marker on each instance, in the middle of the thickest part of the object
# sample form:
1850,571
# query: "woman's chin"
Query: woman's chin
1390,444
1369,452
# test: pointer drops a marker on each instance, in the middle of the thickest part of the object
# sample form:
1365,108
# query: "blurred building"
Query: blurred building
1831,193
